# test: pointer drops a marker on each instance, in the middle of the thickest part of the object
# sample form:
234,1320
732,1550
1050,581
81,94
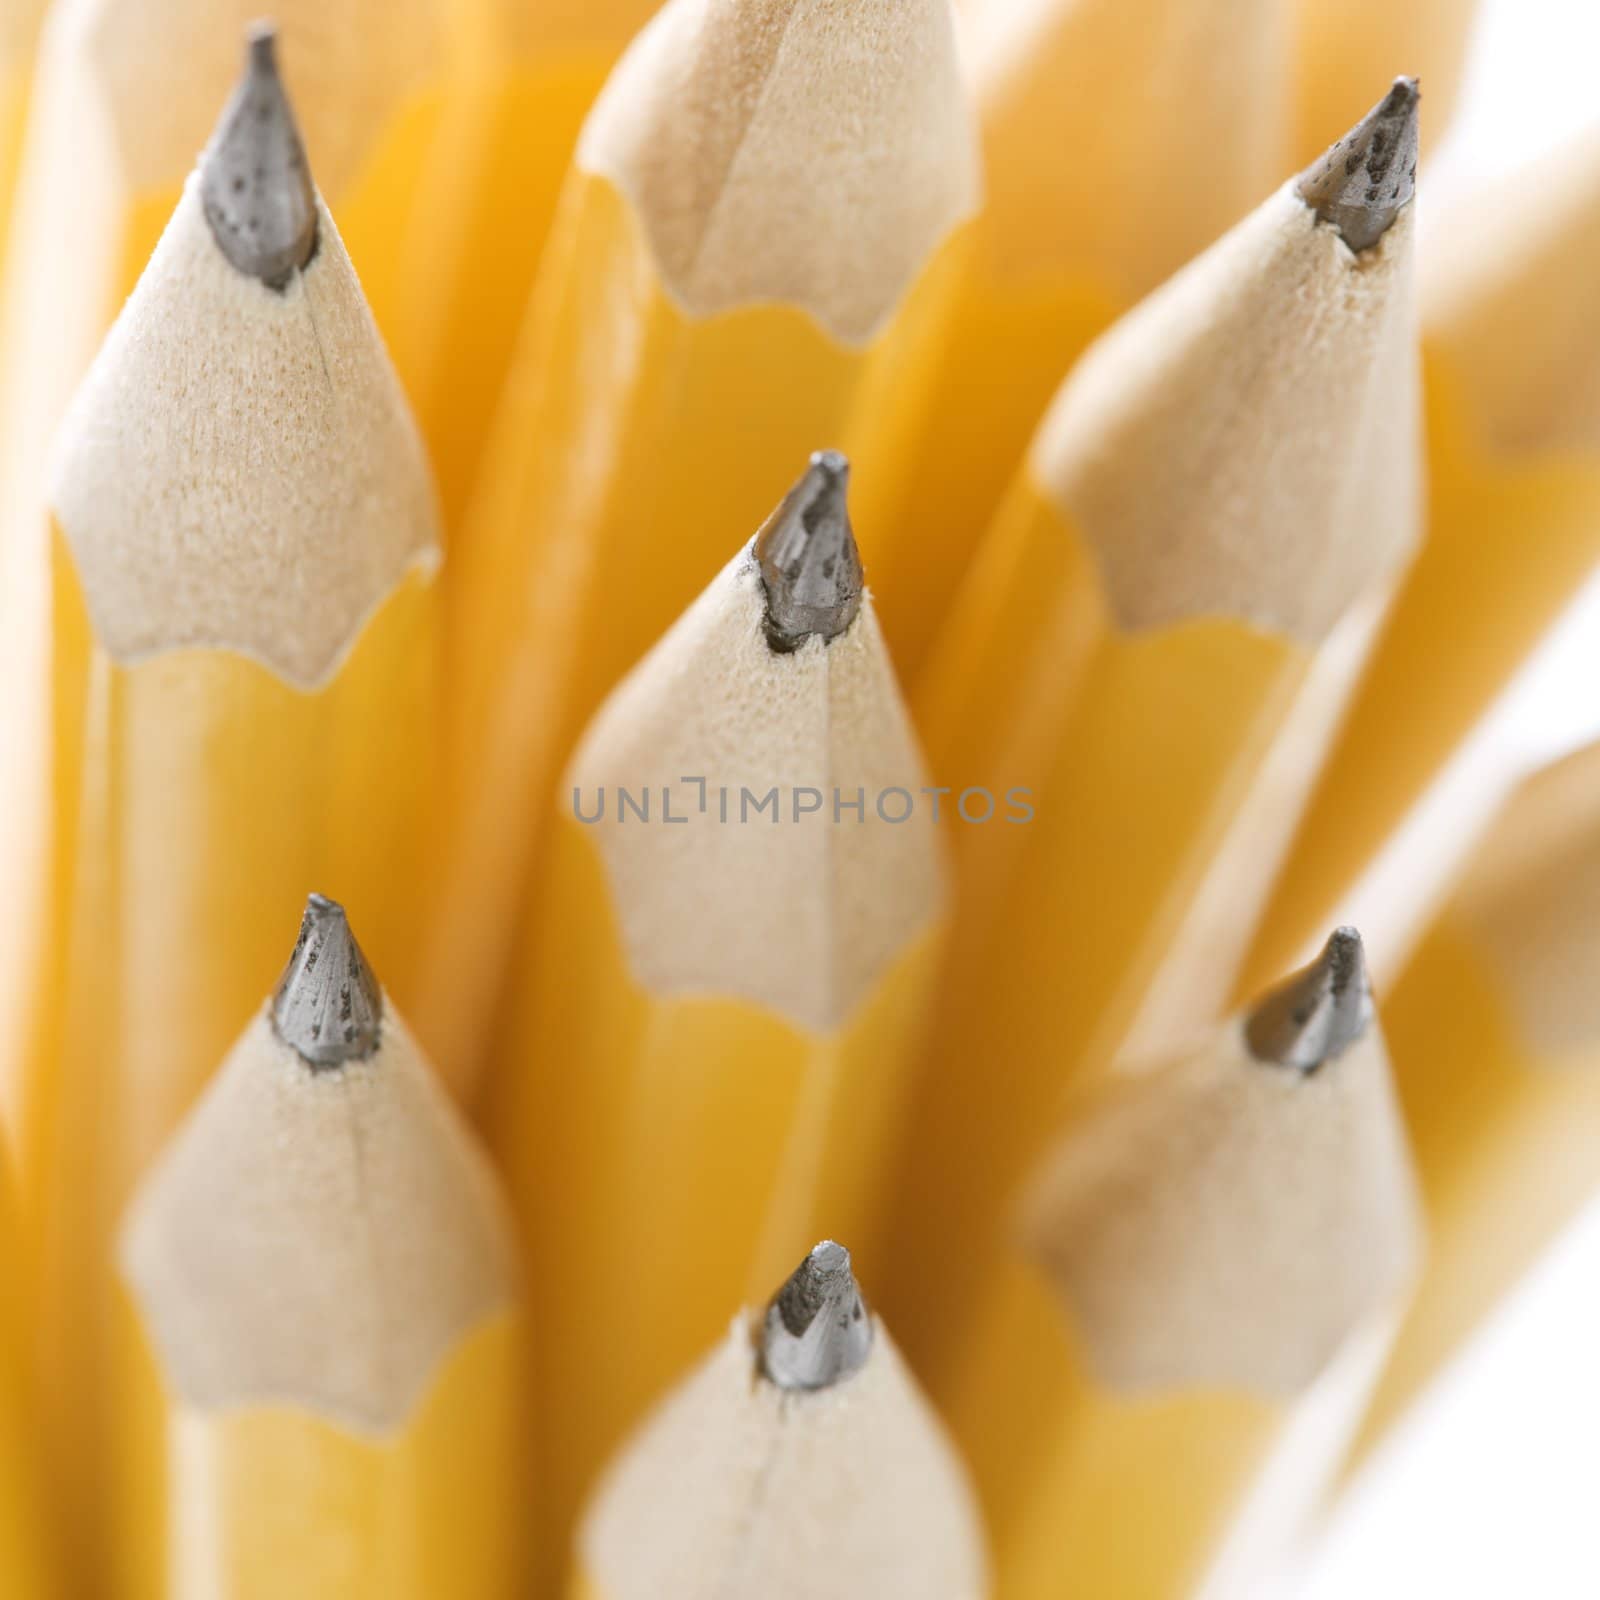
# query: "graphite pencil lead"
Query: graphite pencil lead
1316,1014
817,1331
255,185
327,1006
810,566
1368,177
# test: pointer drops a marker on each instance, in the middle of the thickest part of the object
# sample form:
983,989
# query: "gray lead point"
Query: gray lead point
1319,1012
255,185
327,1006
810,566
1368,178
817,1331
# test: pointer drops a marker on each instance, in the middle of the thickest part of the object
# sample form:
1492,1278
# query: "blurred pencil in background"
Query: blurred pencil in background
543,66
25,1570
1495,1029
19,30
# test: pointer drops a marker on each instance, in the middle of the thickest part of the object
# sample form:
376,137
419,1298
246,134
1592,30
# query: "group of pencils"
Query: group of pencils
811,607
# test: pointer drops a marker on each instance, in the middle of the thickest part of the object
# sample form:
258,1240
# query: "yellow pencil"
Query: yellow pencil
798,1461
1512,384
322,1266
1156,644
242,676
738,932
1120,138
1495,1028
547,64
726,265
1214,1261
19,31
24,1570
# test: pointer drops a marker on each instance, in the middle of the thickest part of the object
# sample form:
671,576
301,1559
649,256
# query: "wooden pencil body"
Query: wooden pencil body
596,526
261,1501
384,229
18,35
1509,542
24,1570
15,81
1139,752
546,68
1505,1133
1155,1496
669,1153
22,1563
962,428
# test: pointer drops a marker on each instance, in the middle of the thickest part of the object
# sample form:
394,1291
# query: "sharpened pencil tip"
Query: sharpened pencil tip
327,1006
817,1331
1319,1012
1368,177
810,566
255,185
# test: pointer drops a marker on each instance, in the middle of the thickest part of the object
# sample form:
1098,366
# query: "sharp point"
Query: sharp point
261,45
817,1331
255,184
810,566
1366,179
327,1007
1319,1012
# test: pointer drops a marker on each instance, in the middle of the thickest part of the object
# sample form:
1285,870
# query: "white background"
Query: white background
1491,1490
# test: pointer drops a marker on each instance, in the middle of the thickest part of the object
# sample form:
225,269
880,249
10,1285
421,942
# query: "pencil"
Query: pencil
1512,387
1155,646
797,1461
546,65
1340,46
1210,1266
322,1265
1120,138
724,990
1495,1027
19,32
242,676
24,1570
727,266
